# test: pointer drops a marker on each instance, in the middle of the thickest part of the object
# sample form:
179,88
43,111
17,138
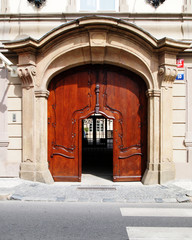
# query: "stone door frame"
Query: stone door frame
97,40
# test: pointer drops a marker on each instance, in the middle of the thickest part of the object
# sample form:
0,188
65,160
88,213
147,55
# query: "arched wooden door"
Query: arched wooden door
111,91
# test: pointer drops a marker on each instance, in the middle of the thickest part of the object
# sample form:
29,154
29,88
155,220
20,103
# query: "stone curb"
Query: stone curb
36,192
189,194
5,196
17,197
183,199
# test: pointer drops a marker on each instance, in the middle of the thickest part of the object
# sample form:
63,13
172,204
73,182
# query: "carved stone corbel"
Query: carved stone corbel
167,74
27,74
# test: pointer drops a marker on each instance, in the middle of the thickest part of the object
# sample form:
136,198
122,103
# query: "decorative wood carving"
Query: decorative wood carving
62,155
56,146
113,110
130,151
97,98
27,75
63,151
63,148
130,155
82,111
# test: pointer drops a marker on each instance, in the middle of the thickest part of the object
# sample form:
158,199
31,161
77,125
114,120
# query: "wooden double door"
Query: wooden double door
103,90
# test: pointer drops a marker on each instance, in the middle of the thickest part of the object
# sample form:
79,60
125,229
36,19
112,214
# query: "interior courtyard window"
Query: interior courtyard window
98,5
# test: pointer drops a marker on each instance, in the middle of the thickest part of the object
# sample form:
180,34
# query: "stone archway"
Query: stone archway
97,40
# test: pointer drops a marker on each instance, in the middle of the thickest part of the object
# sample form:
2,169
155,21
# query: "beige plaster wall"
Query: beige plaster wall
14,154
22,19
10,131
131,6
181,156
179,121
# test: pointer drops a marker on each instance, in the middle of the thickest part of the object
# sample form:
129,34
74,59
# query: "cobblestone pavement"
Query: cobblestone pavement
95,191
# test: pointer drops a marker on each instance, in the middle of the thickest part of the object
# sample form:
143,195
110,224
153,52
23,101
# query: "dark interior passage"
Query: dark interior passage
97,146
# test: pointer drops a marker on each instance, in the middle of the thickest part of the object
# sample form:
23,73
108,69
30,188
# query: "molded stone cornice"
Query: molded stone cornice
168,44
71,16
167,73
27,73
99,22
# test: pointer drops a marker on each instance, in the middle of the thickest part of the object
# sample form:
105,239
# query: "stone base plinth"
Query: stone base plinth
161,174
28,172
150,177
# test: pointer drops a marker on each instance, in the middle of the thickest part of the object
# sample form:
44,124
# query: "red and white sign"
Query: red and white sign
180,63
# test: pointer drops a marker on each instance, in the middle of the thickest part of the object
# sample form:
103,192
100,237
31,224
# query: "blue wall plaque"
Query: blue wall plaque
180,76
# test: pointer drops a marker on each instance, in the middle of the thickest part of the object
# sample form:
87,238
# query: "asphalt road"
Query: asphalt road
91,221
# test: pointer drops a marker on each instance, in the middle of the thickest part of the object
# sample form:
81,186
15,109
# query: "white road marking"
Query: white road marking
159,233
156,212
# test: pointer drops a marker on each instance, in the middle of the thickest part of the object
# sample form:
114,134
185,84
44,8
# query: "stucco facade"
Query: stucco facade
42,42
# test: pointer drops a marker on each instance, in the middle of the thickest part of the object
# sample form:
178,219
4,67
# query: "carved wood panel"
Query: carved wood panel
124,97
70,96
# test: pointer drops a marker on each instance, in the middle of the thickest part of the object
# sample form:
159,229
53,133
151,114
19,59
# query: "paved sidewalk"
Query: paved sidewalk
95,189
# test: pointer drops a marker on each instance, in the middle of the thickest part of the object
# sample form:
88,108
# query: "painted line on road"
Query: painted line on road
156,212
159,233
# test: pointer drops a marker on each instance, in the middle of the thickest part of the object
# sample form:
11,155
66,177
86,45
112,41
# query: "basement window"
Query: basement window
98,5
